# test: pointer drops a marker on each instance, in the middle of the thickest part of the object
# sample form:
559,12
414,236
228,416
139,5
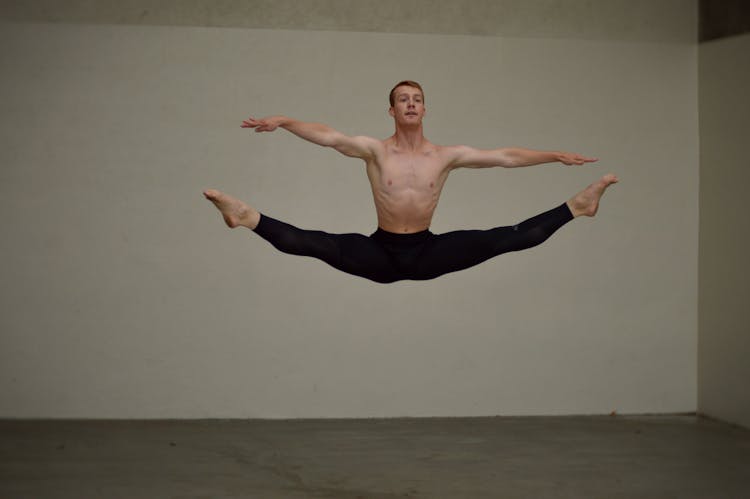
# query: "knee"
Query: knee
533,237
288,243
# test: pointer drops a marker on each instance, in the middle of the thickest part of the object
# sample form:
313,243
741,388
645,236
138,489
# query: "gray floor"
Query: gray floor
578,457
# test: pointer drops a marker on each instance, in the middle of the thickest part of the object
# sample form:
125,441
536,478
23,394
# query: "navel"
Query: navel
390,182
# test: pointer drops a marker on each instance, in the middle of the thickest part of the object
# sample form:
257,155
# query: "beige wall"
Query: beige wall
724,236
124,296
627,20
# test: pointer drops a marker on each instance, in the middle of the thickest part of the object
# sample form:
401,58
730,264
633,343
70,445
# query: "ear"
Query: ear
391,112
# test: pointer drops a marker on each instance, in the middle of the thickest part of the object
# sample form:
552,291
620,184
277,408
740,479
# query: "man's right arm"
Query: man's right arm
317,133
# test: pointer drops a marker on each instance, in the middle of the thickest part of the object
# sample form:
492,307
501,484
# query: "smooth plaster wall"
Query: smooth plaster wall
123,295
626,20
724,346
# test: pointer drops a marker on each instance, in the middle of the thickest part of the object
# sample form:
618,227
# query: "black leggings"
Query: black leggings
388,257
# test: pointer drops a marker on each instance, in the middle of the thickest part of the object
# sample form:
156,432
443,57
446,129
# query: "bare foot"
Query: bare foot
235,212
586,202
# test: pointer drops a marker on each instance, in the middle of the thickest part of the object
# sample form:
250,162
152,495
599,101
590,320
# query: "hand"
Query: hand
268,124
569,158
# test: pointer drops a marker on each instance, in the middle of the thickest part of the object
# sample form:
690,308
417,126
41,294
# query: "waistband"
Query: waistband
395,238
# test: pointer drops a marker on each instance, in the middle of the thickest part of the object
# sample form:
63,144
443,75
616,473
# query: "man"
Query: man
407,173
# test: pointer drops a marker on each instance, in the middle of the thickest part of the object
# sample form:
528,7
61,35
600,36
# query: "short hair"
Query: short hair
405,83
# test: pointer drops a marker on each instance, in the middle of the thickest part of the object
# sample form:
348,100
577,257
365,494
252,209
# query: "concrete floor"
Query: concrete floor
578,457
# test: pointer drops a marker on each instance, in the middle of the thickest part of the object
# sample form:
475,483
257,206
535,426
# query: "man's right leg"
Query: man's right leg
235,212
354,254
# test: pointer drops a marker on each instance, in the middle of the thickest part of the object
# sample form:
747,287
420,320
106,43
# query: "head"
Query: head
405,83
407,101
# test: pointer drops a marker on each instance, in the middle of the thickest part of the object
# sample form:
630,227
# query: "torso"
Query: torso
406,185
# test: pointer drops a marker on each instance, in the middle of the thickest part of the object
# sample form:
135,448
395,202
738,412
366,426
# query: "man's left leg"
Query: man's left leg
454,251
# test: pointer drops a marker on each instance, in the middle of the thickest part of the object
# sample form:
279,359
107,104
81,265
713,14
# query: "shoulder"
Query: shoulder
369,146
370,143
454,154
453,150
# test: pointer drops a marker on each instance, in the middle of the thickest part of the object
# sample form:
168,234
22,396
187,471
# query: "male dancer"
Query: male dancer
407,173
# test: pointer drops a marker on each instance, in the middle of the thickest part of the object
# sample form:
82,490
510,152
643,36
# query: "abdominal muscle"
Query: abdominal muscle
405,213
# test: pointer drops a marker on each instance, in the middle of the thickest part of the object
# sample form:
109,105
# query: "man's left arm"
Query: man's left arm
511,157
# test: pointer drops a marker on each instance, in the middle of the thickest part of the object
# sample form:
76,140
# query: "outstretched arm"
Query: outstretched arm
511,157
317,133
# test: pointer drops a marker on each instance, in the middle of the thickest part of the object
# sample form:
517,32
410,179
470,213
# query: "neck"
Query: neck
409,137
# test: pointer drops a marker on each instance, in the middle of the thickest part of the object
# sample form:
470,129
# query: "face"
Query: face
408,105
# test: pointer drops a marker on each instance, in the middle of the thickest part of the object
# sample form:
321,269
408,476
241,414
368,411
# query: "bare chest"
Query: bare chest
412,172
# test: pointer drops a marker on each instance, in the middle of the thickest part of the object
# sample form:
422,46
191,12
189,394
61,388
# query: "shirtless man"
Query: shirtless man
407,173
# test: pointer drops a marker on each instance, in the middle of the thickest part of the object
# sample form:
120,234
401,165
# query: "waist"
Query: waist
397,238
